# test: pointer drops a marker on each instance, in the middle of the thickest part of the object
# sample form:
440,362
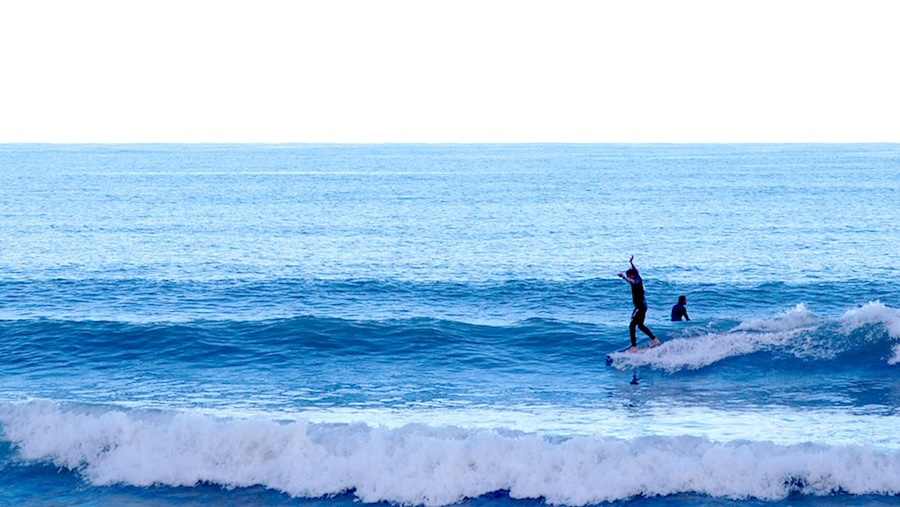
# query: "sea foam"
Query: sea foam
797,332
425,465
878,314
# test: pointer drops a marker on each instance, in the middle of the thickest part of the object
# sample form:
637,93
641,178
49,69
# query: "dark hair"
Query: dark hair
682,300
631,272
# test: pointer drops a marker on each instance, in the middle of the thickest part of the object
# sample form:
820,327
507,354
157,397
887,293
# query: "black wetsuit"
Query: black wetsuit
679,311
640,310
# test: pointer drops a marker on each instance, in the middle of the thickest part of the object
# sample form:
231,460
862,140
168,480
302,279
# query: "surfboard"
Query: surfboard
643,346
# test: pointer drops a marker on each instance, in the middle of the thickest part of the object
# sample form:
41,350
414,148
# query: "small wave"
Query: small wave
875,313
746,338
295,342
797,317
43,344
424,465
797,333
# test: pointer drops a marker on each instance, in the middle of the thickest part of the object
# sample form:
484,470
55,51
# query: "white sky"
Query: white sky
449,71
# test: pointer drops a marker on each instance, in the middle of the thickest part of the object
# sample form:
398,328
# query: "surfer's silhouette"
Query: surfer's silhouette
679,311
640,305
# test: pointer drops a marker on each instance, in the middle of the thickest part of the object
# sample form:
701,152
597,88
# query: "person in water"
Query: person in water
679,311
640,305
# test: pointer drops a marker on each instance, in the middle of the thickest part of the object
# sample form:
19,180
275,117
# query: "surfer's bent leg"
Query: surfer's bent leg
646,331
638,320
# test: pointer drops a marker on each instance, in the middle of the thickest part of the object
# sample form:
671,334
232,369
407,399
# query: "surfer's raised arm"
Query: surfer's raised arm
631,261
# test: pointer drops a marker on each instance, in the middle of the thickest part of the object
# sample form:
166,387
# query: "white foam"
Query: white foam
417,464
796,318
873,313
793,332
746,338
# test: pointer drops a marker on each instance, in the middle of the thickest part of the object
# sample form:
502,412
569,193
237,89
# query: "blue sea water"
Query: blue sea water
323,325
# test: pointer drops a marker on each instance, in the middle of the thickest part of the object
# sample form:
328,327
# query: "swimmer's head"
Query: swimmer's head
631,272
682,300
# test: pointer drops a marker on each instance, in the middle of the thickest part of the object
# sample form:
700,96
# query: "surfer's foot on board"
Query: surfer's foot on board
633,349
656,343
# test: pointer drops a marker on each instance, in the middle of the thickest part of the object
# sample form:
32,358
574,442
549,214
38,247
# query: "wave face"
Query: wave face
795,338
861,339
429,325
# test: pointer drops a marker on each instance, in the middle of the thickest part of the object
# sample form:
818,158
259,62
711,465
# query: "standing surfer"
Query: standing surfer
640,305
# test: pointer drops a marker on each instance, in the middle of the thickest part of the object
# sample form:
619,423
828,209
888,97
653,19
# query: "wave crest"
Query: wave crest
797,333
423,465
876,313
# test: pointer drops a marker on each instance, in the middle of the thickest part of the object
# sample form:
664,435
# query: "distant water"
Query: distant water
319,325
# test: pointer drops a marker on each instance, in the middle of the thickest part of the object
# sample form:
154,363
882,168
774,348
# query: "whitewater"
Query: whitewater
428,325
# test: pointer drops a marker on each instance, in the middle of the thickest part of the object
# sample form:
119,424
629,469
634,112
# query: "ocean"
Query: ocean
428,325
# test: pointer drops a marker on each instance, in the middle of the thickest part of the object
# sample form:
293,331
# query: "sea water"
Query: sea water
428,325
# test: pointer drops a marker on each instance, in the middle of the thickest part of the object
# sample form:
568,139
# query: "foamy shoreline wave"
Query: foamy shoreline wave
425,465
